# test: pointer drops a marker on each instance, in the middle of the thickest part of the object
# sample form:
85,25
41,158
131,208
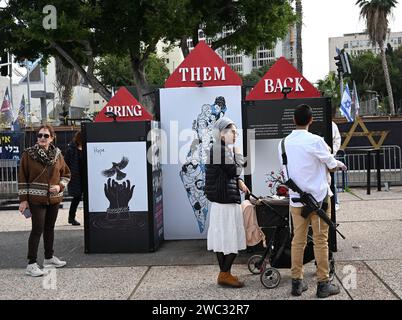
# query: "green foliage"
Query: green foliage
156,71
255,21
330,87
115,71
376,13
368,74
87,30
256,74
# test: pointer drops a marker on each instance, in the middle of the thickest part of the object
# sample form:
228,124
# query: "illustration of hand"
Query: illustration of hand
125,193
111,193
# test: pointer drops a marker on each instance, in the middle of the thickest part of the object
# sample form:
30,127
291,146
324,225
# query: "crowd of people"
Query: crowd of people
44,174
309,160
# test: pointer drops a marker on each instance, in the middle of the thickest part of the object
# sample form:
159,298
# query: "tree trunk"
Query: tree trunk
88,76
299,47
145,96
66,80
387,79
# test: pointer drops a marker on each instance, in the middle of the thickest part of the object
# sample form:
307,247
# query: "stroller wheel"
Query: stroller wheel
255,264
270,278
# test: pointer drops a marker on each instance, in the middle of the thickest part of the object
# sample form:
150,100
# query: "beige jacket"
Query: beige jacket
254,234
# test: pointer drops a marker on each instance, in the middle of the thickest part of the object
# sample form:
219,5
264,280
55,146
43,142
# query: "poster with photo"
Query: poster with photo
117,176
188,116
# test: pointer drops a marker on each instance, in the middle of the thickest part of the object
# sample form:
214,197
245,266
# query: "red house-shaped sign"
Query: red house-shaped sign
125,107
282,74
203,68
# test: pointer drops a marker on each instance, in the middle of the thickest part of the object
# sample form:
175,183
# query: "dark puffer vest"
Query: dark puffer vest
73,159
222,175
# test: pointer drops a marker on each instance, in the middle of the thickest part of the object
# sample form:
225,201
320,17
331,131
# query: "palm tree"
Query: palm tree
299,48
376,13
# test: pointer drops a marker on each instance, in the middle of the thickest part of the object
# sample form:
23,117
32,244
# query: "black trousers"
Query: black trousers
43,221
225,261
73,208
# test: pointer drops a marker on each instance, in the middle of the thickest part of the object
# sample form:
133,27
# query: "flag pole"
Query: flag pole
11,78
341,82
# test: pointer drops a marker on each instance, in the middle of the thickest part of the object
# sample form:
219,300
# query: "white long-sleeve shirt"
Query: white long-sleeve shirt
336,138
308,161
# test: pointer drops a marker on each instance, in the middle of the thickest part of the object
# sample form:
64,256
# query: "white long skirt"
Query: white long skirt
226,228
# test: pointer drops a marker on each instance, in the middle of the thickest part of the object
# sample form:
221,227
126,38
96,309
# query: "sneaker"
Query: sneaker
298,287
337,207
326,289
33,270
74,222
54,262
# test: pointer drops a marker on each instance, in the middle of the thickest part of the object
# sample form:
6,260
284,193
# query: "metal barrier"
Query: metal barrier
341,177
8,178
356,160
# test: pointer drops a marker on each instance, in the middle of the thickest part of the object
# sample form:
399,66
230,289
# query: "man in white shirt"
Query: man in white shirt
308,162
336,139
336,145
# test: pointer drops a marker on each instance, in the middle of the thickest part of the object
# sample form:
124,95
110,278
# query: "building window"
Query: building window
346,45
96,102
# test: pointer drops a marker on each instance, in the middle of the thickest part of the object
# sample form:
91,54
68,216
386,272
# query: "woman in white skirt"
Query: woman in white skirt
226,234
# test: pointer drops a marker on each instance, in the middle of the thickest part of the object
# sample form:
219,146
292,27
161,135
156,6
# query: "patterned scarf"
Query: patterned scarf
45,157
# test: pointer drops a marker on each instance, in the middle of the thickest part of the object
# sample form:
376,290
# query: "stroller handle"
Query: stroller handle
269,206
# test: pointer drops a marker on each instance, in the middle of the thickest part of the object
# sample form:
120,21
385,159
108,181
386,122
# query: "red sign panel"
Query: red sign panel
203,68
283,74
125,107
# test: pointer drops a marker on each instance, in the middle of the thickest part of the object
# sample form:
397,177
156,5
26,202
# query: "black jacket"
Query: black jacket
221,177
73,159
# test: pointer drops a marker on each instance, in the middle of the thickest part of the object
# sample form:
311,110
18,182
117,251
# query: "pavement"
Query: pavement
368,262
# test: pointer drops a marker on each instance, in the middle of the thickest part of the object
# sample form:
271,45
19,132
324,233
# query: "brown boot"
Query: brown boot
227,280
234,276
221,278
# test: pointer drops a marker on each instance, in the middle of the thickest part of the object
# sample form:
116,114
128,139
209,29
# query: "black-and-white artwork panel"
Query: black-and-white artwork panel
101,157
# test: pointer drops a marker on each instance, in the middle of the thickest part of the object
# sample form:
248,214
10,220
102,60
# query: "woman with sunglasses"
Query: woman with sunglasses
226,234
42,177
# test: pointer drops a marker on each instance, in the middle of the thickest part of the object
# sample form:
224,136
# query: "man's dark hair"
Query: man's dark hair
303,115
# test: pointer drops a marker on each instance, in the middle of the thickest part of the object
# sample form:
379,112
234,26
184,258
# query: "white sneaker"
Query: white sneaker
337,207
33,270
54,262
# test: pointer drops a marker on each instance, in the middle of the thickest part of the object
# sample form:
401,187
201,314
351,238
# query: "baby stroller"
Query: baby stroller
273,219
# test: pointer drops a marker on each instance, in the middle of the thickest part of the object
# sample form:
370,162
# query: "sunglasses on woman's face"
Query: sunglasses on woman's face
43,135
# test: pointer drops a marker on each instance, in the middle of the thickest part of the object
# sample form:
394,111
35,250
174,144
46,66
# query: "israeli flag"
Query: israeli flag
346,104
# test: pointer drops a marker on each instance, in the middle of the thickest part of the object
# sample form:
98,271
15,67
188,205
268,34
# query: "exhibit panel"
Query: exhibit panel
272,120
200,91
119,198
